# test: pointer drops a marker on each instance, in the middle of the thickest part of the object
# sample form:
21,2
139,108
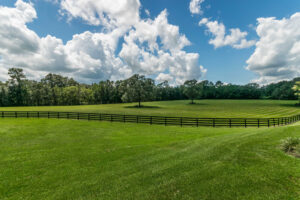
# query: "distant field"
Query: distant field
203,108
69,159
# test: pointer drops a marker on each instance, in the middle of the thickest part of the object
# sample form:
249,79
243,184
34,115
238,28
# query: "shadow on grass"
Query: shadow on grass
196,104
297,105
142,106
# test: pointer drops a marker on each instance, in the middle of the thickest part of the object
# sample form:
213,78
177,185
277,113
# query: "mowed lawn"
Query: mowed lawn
69,159
203,108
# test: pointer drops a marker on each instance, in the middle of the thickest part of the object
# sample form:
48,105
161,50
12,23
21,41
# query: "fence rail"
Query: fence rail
160,120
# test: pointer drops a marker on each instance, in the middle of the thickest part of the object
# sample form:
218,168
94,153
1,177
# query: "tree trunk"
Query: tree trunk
139,103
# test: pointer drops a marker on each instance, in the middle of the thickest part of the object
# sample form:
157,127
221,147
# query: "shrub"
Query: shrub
290,144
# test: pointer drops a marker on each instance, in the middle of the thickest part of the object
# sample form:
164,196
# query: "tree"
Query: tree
162,91
16,89
296,88
103,92
86,96
137,89
55,89
70,95
56,83
3,95
191,89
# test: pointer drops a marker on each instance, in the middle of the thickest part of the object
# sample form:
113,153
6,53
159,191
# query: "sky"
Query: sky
234,41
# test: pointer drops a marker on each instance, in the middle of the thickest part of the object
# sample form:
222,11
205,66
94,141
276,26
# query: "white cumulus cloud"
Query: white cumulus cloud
277,53
109,13
150,47
195,6
144,54
236,38
88,56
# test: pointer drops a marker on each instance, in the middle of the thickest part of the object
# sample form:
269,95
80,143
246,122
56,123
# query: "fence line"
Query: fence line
159,120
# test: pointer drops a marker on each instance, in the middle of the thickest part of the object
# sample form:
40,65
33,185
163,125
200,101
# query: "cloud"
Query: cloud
88,56
92,57
144,54
14,33
164,77
277,53
113,13
236,38
147,12
195,7
150,47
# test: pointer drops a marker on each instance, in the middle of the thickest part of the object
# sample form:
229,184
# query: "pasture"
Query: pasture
203,108
71,159
67,159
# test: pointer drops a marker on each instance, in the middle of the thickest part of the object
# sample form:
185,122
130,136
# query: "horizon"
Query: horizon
155,82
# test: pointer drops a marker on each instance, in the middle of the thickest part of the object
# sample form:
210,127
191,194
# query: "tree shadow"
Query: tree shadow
296,105
196,104
142,106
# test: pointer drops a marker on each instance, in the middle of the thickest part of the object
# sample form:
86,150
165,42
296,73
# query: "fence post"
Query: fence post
285,121
278,121
2,114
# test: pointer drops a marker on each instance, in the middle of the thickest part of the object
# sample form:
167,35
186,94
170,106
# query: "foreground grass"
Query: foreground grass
203,108
65,159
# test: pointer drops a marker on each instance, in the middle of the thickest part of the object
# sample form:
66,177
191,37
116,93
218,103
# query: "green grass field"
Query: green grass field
203,108
69,159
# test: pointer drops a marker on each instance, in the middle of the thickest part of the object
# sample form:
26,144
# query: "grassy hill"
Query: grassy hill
69,159
203,108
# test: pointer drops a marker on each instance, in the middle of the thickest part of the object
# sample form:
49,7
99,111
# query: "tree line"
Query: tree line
55,89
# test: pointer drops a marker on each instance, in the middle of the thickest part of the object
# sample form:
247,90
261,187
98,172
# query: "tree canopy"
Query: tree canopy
192,89
296,88
55,89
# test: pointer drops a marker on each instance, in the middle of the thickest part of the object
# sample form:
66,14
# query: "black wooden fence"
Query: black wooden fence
175,121
167,121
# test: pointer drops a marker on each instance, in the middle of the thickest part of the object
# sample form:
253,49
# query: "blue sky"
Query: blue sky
224,63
